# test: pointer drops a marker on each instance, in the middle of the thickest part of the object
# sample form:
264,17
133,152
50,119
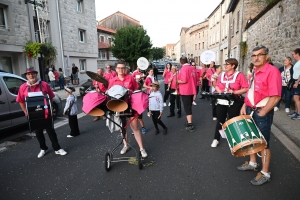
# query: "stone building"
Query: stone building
177,51
69,28
278,28
183,44
170,51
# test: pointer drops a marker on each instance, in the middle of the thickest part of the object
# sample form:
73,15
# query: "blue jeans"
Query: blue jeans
52,84
61,83
288,97
263,123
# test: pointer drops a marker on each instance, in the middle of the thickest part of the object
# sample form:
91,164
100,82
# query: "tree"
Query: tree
157,53
131,43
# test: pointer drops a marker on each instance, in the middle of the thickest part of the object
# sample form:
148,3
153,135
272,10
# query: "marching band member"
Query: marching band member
203,80
34,84
99,87
187,88
210,71
230,81
197,81
138,75
261,98
173,87
149,79
166,75
128,81
109,74
214,79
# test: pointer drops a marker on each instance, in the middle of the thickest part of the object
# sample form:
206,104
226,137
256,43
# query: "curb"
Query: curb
287,142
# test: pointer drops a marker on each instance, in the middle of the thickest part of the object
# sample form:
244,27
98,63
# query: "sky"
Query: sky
162,19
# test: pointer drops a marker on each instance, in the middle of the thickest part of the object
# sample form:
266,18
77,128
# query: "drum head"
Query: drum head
207,56
142,63
96,112
117,105
117,91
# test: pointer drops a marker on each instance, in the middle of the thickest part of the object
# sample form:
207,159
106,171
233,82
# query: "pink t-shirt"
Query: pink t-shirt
174,80
148,82
100,86
199,74
188,75
167,75
23,91
267,83
240,82
209,73
136,73
110,75
127,82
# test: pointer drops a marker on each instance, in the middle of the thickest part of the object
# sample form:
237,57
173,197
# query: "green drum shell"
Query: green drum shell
243,136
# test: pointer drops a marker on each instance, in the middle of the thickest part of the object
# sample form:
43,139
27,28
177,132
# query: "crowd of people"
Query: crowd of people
258,93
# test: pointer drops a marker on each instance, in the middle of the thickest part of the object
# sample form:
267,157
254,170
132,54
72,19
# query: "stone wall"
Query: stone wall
17,20
278,29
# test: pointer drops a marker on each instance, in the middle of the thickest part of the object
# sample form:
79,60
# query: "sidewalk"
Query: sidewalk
62,94
287,131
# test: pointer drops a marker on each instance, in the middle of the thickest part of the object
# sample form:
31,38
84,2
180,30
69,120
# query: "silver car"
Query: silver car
11,114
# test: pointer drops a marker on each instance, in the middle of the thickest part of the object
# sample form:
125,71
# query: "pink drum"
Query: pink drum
139,101
93,99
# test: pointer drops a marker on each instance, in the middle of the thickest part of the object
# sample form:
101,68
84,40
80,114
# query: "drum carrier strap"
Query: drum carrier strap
45,99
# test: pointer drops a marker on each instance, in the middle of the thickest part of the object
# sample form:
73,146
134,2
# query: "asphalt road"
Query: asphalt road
180,166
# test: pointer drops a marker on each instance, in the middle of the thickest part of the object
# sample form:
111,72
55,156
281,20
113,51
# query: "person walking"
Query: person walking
174,93
74,75
149,79
72,111
167,75
52,79
34,84
61,79
155,73
286,75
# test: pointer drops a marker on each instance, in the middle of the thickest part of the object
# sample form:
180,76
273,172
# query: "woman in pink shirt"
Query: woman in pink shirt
149,79
128,81
167,74
230,81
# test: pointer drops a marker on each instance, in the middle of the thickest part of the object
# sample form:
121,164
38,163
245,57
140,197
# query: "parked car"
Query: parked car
160,67
86,87
11,114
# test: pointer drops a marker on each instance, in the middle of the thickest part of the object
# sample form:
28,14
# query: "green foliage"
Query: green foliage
157,53
32,49
131,43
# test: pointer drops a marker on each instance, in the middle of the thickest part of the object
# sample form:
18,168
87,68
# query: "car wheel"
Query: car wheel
54,111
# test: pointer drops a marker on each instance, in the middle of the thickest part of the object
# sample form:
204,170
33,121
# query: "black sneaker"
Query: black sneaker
156,132
165,131
189,128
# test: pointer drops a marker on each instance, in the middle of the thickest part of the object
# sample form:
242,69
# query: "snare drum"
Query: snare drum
243,136
39,112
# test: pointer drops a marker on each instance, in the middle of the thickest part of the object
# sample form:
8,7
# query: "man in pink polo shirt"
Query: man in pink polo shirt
261,98
187,89
109,74
34,84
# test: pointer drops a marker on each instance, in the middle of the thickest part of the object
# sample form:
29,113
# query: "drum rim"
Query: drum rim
232,120
101,112
235,150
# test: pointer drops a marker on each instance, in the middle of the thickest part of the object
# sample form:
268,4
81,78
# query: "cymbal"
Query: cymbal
97,77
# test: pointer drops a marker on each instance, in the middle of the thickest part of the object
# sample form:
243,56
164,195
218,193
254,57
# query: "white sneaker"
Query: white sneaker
42,153
276,109
214,143
69,136
124,150
144,153
214,118
194,103
61,152
165,104
287,110
169,104
132,133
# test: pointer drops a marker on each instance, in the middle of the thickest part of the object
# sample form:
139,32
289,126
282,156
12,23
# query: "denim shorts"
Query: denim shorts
296,91
263,123
75,76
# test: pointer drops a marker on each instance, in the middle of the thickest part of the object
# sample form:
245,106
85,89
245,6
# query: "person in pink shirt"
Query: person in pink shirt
109,74
210,71
138,75
34,84
230,81
263,95
128,81
187,90
203,80
167,74
149,79
99,87
173,96
197,81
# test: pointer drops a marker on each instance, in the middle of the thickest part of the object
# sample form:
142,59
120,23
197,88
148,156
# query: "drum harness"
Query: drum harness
45,99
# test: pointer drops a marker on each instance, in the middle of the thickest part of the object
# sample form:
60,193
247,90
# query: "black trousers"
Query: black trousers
156,121
222,112
167,93
173,99
205,86
187,101
52,136
73,123
214,107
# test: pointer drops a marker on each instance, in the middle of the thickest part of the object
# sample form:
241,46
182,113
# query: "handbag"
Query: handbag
290,84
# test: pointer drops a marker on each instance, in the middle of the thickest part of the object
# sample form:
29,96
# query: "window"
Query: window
82,64
199,35
234,52
6,64
238,22
109,41
232,27
101,38
81,35
3,18
195,46
202,45
79,6
199,45
45,31
102,54
13,84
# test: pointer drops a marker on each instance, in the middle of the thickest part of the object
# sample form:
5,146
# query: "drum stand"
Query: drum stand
109,156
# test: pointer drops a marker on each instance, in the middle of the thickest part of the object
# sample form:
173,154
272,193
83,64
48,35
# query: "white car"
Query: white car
11,114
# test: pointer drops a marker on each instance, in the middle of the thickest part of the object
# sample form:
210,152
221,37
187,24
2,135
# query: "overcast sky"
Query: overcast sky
163,19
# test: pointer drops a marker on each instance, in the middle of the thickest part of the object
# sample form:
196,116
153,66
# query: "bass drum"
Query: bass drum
39,112
243,136
118,99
